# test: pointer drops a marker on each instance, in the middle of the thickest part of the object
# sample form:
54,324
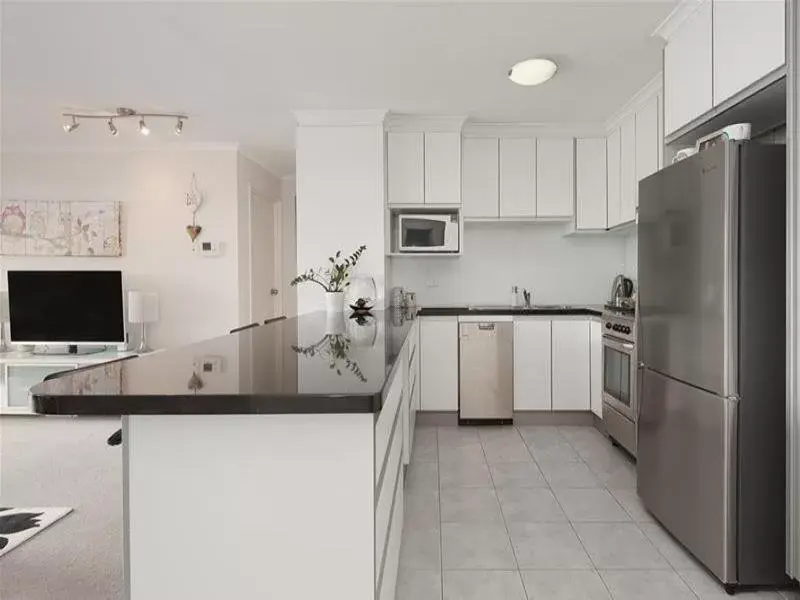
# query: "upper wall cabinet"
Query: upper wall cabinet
688,69
479,178
749,42
648,139
443,168
518,182
591,198
629,182
406,170
555,177
614,151
424,168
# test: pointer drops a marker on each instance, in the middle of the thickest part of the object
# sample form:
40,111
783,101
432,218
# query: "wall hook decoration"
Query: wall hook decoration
194,200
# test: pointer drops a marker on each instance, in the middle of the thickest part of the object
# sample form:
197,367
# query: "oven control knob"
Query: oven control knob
608,325
626,330
615,328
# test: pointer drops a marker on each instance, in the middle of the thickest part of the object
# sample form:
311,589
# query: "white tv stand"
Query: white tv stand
19,371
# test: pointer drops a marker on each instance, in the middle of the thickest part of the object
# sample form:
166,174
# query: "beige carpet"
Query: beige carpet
56,461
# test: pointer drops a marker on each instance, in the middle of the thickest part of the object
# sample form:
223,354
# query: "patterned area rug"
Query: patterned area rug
20,524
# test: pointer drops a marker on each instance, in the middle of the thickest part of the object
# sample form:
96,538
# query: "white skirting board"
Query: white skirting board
249,506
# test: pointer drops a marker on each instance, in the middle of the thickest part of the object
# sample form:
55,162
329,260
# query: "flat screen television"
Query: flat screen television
66,307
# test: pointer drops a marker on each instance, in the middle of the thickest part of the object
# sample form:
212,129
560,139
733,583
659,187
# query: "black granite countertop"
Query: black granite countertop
308,364
594,310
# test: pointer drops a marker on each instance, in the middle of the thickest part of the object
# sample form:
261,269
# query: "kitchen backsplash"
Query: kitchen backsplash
572,270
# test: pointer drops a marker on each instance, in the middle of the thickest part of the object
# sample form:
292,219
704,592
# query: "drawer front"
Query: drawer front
386,492
385,423
388,569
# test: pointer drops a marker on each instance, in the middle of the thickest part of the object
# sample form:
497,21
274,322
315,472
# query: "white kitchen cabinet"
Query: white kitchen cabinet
443,168
406,168
688,69
517,177
628,181
532,360
591,198
438,346
749,42
479,178
596,367
555,177
571,365
648,140
614,158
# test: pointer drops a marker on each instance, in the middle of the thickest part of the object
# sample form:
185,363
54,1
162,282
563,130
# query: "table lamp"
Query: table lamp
4,318
142,309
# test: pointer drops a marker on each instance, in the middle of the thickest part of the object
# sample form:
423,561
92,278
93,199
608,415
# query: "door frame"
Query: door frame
254,192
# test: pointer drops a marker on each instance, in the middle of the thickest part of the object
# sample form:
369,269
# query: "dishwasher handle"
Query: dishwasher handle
486,326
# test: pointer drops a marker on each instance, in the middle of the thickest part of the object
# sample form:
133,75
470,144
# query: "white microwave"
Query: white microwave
427,233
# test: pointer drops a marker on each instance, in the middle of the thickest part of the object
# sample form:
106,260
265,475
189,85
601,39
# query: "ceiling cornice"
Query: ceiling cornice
537,130
340,118
412,122
652,87
678,16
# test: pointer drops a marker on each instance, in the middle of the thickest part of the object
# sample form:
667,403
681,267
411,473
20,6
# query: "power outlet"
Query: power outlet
432,282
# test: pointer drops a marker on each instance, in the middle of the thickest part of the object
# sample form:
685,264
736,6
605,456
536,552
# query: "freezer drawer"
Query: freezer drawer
486,372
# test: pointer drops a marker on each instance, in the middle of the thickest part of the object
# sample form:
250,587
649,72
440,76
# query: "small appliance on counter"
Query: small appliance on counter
622,297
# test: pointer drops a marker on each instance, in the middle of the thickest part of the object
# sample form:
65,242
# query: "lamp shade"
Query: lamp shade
142,307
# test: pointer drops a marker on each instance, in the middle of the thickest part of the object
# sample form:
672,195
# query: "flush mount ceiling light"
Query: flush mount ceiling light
123,113
533,71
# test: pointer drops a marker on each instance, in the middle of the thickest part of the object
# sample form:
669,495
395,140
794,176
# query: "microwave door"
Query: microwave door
423,234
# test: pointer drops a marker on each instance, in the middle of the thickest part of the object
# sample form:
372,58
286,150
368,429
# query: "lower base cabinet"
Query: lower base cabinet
533,382
438,369
596,367
571,386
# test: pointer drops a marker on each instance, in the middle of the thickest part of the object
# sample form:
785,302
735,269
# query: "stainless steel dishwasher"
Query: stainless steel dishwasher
486,373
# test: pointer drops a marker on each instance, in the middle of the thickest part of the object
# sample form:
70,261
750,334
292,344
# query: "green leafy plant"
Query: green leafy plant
334,278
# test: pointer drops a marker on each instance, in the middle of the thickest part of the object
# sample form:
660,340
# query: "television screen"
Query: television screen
67,307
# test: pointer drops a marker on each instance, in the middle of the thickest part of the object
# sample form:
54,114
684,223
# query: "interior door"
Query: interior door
686,274
265,257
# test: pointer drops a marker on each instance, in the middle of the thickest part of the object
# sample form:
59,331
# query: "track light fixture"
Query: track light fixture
122,113
70,127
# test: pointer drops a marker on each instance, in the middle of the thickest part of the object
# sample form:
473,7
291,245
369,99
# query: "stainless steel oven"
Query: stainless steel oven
620,405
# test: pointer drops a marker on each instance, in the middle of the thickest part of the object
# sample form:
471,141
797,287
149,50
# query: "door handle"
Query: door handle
274,292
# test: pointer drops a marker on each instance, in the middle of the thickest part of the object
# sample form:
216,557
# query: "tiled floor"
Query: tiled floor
524,513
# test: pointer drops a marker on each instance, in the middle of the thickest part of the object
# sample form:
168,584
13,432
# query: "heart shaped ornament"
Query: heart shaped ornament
193,231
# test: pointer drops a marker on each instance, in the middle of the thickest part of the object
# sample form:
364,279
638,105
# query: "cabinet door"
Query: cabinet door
630,185
749,43
479,178
647,140
517,177
688,72
614,150
571,365
406,170
555,174
532,362
596,367
591,199
443,168
439,363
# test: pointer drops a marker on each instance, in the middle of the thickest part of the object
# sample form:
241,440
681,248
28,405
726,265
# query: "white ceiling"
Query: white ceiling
239,69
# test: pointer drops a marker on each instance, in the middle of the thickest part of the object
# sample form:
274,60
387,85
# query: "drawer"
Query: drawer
385,423
386,492
387,569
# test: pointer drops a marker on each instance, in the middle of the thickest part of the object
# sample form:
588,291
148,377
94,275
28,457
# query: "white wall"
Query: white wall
559,269
631,256
340,201
289,197
198,296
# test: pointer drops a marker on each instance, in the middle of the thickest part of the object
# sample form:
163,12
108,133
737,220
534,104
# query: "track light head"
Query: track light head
72,126
112,129
143,128
179,126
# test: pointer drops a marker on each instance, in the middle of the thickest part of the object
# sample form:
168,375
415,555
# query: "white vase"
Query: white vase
334,302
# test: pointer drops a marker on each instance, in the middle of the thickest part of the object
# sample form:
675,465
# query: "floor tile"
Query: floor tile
622,476
421,549
590,505
483,585
561,474
706,587
547,546
458,436
619,546
419,585
558,451
633,505
540,434
499,434
464,474
425,448
670,548
421,508
529,505
470,505
564,585
462,453
650,584
476,546
423,475
498,451
517,474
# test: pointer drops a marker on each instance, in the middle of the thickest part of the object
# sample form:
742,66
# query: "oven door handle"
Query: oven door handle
625,347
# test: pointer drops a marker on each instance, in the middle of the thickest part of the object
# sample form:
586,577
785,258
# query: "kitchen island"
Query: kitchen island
262,464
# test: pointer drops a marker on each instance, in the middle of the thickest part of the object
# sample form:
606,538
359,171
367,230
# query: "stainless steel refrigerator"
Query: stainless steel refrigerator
711,377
